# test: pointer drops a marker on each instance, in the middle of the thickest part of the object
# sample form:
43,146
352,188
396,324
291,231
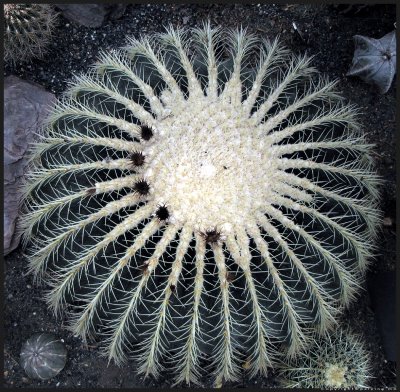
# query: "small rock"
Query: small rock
25,107
116,10
387,221
91,15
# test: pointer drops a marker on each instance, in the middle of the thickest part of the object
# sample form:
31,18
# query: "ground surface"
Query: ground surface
326,34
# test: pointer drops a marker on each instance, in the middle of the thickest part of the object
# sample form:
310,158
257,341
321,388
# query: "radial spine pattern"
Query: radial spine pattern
201,197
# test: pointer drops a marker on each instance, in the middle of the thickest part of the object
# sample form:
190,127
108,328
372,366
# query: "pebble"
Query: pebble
387,221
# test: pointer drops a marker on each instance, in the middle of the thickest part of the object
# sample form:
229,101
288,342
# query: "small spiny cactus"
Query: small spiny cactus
338,360
190,207
27,31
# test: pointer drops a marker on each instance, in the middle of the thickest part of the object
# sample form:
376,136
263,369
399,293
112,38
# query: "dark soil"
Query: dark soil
324,33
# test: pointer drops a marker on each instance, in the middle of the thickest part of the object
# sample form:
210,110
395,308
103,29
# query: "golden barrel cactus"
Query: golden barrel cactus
201,197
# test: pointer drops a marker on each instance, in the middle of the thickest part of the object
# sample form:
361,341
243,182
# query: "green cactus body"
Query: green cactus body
43,356
27,31
191,207
335,361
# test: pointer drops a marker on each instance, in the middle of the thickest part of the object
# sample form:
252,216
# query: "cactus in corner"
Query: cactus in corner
27,30
335,361
198,212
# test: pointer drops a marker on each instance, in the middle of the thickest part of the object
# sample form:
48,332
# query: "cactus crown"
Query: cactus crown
191,207
27,30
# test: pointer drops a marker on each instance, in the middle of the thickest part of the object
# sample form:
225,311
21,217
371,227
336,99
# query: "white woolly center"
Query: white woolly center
207,170
335,375
208,165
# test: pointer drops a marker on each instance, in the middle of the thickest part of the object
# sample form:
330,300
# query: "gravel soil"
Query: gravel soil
322,31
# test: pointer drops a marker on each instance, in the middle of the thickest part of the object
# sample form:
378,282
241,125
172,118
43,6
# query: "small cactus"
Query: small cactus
374,60
334,361
192,208
27,31
43,356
